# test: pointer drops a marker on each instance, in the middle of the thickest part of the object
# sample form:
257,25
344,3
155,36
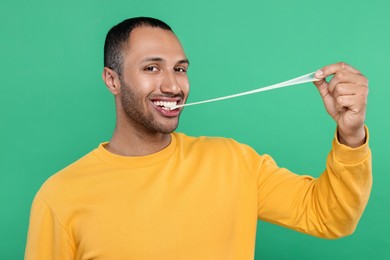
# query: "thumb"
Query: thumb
321,84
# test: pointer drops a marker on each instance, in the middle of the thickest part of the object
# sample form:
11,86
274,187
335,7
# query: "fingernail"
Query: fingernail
319,73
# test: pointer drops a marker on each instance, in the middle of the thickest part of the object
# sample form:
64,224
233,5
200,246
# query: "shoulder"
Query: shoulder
220,153
212,144
203,140
68,178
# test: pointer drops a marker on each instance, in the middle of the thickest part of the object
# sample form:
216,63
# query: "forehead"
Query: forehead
156,42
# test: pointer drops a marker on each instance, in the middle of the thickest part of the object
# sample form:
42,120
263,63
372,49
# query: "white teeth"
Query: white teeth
165,104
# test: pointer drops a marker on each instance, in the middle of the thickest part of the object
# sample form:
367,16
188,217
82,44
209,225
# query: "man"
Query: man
150,193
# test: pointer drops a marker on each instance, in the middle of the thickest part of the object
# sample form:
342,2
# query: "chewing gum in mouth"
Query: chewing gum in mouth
295,81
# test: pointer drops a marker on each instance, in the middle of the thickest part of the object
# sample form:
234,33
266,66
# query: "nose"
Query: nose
170,84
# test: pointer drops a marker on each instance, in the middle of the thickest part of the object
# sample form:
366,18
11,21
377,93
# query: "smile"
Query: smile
166,105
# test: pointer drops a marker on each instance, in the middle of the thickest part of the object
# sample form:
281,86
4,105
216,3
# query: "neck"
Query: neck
128,141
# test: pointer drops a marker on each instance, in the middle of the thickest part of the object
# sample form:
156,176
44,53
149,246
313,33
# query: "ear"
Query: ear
111,79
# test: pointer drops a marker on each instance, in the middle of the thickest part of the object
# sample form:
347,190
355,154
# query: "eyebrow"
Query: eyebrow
184,61
158,59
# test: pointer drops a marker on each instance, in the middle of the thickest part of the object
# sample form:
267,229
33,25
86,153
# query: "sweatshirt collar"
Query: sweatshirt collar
135,161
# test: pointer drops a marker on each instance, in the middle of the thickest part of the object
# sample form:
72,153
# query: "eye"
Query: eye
151,68
181,69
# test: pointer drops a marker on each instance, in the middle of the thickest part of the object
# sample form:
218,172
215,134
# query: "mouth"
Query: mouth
166,105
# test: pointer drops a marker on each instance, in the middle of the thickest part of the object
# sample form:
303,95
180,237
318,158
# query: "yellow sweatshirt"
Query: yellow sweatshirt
199,198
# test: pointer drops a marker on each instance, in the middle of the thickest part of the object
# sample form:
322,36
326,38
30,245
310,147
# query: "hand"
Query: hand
345,99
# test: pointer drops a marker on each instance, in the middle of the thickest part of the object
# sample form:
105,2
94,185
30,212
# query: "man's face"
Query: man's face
154,72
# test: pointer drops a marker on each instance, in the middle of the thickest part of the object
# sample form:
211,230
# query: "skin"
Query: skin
155,69
345,100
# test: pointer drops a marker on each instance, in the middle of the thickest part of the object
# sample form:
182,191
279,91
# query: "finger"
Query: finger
343,102
346,77
350,89
350,102
334,68
345,89
322,87
349,68
359,94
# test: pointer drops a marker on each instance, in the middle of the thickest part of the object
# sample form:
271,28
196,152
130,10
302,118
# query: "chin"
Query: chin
169,127
165,129
168,130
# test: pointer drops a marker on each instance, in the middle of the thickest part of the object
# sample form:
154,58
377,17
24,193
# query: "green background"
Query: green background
54,107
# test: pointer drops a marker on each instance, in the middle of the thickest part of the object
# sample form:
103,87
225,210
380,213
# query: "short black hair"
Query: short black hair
118,36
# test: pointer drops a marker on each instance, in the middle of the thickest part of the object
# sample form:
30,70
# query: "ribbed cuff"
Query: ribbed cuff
347,155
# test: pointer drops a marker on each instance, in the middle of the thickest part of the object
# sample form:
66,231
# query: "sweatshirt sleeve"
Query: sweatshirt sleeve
329,206
46,237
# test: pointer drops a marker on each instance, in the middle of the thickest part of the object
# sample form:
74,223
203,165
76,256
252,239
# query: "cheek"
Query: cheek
184,84
147,83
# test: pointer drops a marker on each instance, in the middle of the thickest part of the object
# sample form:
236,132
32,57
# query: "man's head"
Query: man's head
145,66
118,37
